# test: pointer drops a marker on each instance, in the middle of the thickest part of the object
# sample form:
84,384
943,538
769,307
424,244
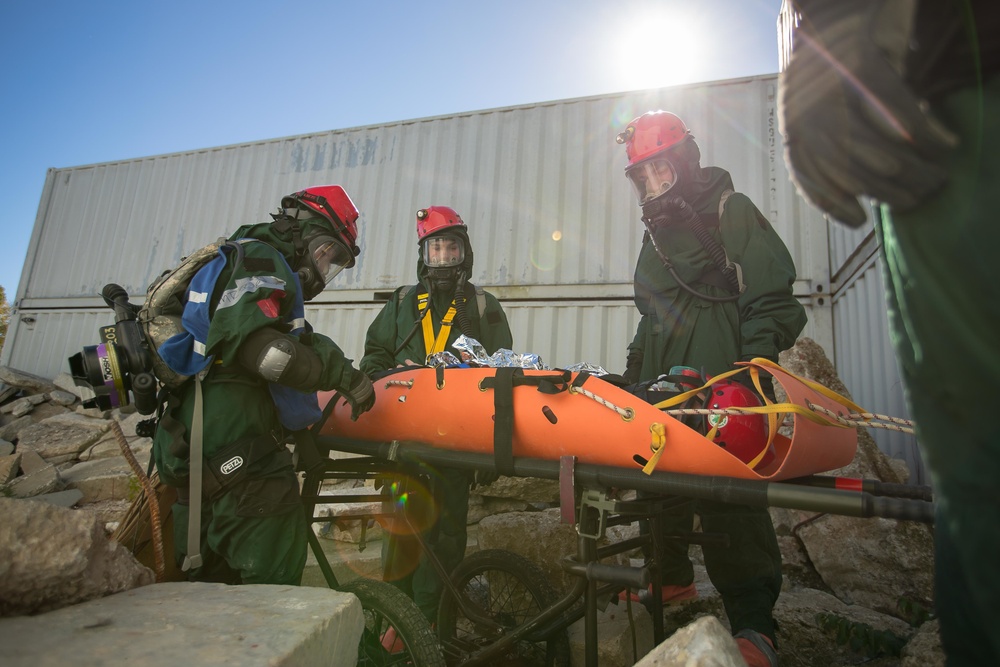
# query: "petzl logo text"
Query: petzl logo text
231,465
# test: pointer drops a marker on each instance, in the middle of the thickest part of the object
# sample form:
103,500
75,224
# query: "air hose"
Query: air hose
683,213
461,316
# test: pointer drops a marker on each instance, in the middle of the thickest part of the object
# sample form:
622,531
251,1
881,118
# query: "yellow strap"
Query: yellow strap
657,444
772,410
433,345
829,393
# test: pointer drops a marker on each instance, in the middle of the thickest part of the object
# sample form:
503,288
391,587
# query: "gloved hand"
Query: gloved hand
667,209
361,396
633,366
766,384
484,477
851,125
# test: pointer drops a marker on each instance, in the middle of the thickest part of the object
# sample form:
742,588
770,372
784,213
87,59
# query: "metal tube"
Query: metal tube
757,493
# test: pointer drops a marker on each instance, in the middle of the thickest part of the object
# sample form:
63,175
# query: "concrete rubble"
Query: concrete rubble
871,578
192,624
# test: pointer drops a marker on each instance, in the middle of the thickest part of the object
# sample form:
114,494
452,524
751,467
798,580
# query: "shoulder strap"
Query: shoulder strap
481,302
406,289
726,194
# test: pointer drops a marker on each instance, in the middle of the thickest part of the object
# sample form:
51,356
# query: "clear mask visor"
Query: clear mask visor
329,257
651,178
444,251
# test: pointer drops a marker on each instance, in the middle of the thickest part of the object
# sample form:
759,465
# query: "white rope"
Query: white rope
399,383
896,424
625,413
863,419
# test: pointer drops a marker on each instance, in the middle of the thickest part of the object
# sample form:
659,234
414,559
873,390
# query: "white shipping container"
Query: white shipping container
553,222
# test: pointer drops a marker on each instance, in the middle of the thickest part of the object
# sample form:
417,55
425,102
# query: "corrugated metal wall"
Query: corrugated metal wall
551,216
866,361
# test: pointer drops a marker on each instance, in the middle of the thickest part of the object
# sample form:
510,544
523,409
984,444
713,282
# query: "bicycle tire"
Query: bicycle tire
387,607
510,590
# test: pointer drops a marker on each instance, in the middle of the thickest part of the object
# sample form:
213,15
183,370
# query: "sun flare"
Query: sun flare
661,46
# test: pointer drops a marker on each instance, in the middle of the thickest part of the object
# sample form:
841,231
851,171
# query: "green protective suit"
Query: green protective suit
679,329
944,315
254,531
446,515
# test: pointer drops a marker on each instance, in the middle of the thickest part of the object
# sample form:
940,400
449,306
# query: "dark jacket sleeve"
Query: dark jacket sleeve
261,291
383,337
771,317
494,331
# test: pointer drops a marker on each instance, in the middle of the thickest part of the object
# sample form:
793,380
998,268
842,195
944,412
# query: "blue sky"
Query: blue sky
90,82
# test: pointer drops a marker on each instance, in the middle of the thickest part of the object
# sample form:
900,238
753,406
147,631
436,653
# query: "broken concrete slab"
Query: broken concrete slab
102,479
704,643
62,437
184,623
34,483
51,557
31,384
10,465
60,397
66,498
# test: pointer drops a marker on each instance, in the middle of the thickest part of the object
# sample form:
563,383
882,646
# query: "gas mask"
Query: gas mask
443,255
325,257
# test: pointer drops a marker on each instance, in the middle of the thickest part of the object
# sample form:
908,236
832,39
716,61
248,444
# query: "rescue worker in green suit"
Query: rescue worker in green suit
261,365
419,320
900,101
713,283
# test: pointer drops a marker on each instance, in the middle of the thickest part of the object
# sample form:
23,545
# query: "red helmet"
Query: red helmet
743,436
647,140
332,203
651,133
434,219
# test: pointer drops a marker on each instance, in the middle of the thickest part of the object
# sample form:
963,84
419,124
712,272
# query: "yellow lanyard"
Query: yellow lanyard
431,344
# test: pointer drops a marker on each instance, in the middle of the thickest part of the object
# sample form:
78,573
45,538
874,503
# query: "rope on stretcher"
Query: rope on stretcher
852,418
628,414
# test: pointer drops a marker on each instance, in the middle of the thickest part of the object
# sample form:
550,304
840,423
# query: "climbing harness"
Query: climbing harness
434,345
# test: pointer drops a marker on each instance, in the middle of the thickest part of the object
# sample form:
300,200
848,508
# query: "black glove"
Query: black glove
851,125
668,209
766,384
361,396
484,477
633,366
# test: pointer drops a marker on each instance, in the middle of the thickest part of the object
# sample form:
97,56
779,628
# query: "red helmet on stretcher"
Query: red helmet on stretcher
744,436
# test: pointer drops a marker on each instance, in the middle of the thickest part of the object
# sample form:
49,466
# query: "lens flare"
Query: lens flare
545,255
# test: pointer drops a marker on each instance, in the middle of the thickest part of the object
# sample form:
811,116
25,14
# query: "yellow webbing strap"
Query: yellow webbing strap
433,345
657,442
772,410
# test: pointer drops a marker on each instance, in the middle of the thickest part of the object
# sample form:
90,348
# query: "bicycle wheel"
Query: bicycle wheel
509,589
386,607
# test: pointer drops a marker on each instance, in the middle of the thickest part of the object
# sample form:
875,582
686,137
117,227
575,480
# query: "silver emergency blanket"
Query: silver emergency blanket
472,353
582,367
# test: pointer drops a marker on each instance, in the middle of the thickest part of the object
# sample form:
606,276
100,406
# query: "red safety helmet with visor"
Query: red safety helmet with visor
439,248
326,254
648,140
